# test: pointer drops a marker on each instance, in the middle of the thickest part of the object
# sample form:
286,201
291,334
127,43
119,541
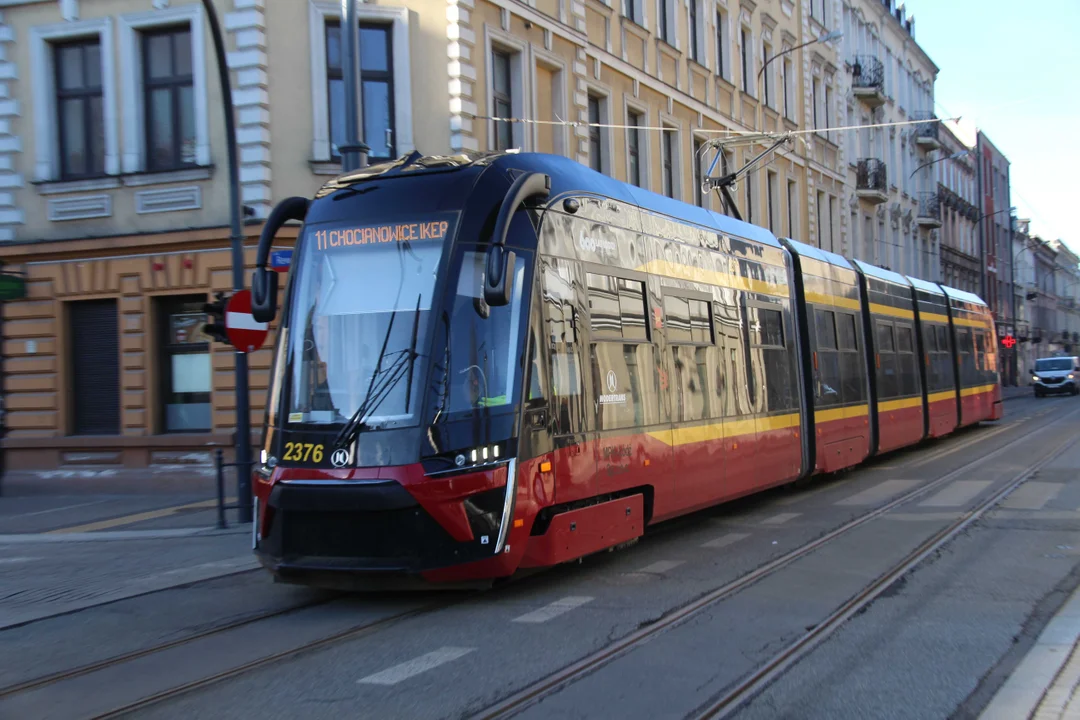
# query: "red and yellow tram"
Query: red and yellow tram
489,363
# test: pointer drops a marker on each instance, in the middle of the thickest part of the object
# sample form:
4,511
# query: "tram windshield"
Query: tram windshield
347,294
357,287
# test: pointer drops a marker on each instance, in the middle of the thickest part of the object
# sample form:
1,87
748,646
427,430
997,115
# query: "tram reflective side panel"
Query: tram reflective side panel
898,416
673,359
942,408
976,357
839,380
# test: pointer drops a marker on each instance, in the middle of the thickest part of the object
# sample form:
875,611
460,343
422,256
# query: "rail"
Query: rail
870,175
868,72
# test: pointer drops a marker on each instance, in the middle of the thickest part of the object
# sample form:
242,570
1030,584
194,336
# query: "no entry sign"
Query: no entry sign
244,332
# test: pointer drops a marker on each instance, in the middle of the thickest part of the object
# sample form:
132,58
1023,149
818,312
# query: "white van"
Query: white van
1056,374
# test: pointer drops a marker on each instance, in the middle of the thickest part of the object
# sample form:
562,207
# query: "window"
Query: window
616,306
721,45
792,207
766,52
826,360
80,115
632,11
768,343
699,194
789,89
377,87
852,364
819,209
687,320
665,21
185,368
828,103
169,98
888,383
595,146
667,144
633,143
815,94
502,96
694,32
749,201
770,189
94,332
745,51
832,223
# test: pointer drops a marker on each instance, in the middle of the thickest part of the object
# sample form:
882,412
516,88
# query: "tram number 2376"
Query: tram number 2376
303,452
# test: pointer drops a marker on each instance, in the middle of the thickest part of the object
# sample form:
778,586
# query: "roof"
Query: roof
929,287
963,296
882,274
809,251
569,176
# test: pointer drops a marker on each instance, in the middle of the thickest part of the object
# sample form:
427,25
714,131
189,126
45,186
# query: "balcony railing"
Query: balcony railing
868,80
926,133
929,210
871,181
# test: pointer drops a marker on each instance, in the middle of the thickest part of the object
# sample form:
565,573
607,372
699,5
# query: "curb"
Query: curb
1040,672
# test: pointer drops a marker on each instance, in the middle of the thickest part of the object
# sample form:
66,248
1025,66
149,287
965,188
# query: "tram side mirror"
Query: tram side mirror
497,283
264,292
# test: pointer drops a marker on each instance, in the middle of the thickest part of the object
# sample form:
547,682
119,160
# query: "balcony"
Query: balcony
929,210
871,182
868,80
926,133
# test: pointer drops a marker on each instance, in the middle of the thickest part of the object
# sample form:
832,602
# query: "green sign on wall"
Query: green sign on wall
12,287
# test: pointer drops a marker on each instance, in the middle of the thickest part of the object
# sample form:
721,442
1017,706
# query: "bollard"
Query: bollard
219,462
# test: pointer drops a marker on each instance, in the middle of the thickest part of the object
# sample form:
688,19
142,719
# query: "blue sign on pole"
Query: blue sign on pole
280,260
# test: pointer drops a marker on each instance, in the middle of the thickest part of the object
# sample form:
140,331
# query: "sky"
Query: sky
1013,69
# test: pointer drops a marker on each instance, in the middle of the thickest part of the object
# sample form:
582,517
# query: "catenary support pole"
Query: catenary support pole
354,154
236,239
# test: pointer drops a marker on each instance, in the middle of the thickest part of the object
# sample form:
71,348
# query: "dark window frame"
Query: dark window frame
596,137
695,54
721,27
174,84
633,146
615,274
502,97
381,76
689,296
85,94
667,152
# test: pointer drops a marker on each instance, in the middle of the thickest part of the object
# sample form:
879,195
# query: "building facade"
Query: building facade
113,174
957,195
995,231
892,213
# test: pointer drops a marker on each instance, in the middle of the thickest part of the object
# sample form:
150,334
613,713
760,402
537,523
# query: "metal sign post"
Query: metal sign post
354,154
236,239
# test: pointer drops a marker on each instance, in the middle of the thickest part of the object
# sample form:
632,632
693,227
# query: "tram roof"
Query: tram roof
932,288
569,176
882,274
824,256
963,296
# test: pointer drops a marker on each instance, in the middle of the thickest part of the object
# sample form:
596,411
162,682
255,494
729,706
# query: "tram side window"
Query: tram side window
767,342
688,328
827,380
964,348
623,367
888,386
560,319
852,365
905,360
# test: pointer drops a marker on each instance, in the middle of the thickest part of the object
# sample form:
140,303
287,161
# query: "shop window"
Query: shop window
184,365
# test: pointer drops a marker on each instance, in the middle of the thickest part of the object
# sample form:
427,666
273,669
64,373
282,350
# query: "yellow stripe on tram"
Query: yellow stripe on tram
833,300
901,404
943,395
679,436
892,311
968,392
844,413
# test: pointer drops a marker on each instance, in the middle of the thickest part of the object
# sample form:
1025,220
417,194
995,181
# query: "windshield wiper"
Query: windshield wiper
403,364
354,422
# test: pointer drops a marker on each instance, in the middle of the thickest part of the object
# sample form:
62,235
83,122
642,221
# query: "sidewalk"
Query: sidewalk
1019,391
1046,683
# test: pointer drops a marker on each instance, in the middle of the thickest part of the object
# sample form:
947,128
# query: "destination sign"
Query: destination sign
382,234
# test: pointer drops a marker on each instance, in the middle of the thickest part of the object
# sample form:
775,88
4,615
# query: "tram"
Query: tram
488,363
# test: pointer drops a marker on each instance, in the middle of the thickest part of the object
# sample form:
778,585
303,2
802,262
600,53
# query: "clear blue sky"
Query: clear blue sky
1013,69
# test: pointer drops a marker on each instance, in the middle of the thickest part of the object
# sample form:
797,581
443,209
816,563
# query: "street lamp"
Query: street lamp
954,156
823,38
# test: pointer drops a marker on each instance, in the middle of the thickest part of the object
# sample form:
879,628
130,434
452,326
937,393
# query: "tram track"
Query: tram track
753,684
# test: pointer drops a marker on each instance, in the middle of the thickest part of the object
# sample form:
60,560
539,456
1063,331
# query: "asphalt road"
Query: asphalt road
936,644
